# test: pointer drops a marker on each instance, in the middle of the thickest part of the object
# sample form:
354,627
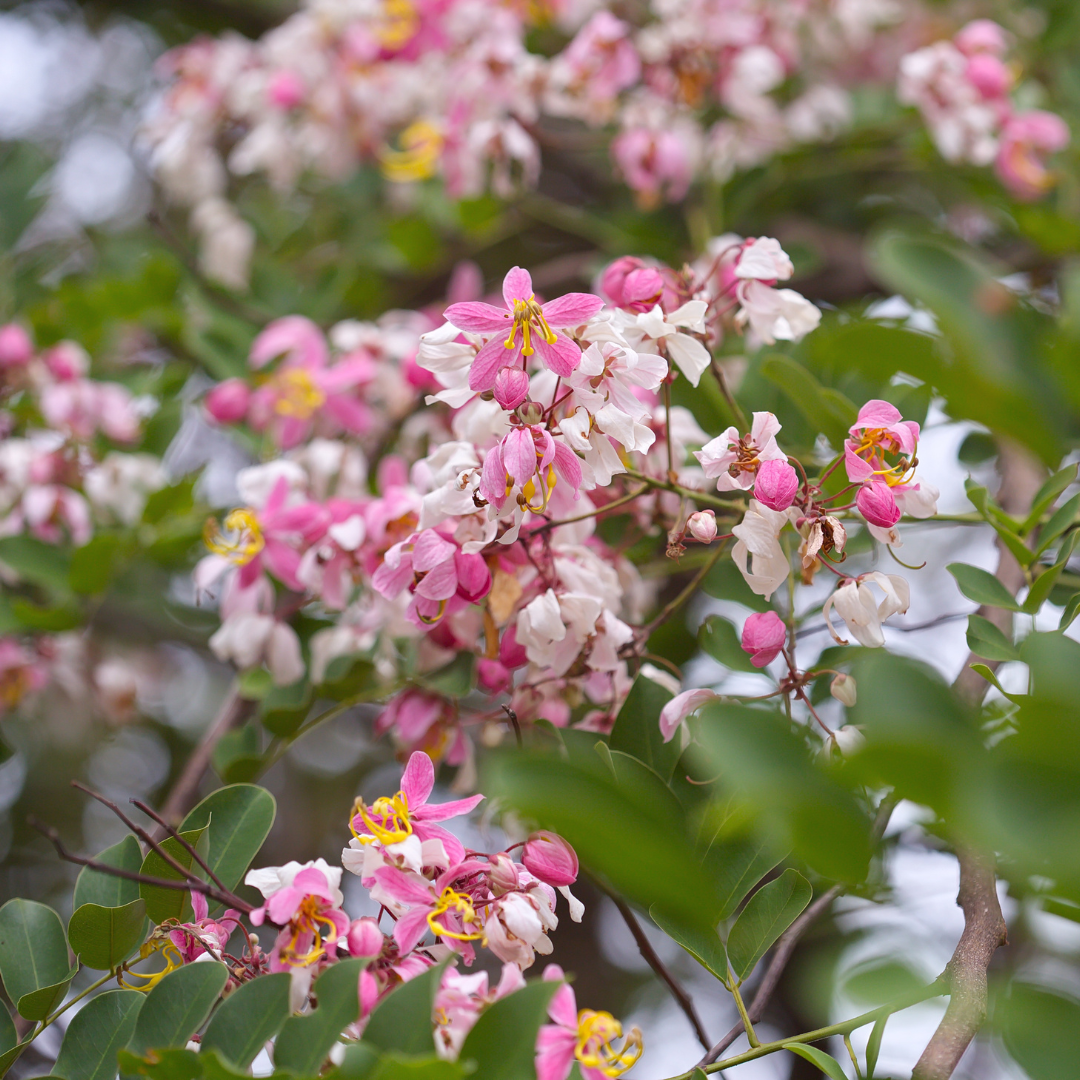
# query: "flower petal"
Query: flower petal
417,780
573,309
478,318
517,285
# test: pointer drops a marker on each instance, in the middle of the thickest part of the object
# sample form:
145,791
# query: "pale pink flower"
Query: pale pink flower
680,707
204,935
21,673
776,484
844,689
757,552
84,407
460,1001
305,900
763,259
248,639
701,525
856,605
585,1036
408,813
981,36
530,327
597,65
734,460
631,284
775,314
658,163
550,858
516,924
1026,140
763,637
51,512
530,459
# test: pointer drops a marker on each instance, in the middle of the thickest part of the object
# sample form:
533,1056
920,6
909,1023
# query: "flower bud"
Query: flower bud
227,403
16,348
613,279
511,387
642,289
365,938
988,75
849,740
776,485
530,413
550,858
702,526
763,636
877,504
843,689
66,361
503,875
981,36
286,90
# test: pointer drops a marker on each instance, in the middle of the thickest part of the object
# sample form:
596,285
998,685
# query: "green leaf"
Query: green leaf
984,672
173,501
1045,496
503,1041
236,758
721,641
1040,1029
239,818
1072,608
178,1006
102,937
400,1067
284,708
707,949
248,1017
171,1064
37,562
305,1041
637,727
1040,589
825,1062
454,679
107,890
163,903
402,1020
10,1047
827,410
97,1032
635,776
982,587
93,564
736,866
33,957
873,1046
768,913
1063,517
985,639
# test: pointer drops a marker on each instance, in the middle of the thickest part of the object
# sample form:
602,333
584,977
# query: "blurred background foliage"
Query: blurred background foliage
990,335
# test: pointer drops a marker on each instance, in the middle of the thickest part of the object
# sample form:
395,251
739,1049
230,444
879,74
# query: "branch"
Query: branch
181,840
181,798
984,926
649,953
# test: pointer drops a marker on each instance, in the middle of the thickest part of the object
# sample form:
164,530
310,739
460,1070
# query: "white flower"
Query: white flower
122,482
764,259
855,604
758,542
733,461
657,329
248,639
271,879
774,314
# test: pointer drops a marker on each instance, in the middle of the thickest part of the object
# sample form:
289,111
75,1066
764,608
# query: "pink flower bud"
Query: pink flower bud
763,636
981,36
702,526
227,403
365,938
776,485
492,676
550,858
988,75
16,348
511,387
503,875
877,504
613,279
66,361
286,90
843,689
642,289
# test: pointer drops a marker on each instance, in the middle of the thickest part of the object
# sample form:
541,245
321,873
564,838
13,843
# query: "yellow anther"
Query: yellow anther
309,919
529,491
398,24
387,819
594,1049
169,952
421,144
527,315
241,540
459,904
298,396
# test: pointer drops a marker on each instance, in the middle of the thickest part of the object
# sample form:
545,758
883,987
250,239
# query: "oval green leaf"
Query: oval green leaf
96,1034
769,912
248,1017
102,937
402,1020
239,818
107,890
827,1064
178,1006
33,957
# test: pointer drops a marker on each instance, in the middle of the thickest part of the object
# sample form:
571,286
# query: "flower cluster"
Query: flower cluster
963,87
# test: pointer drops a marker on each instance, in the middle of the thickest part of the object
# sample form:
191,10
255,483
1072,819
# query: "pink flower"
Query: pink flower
304,389
989,75
550,858
601,61
461,999
629,283
584,1036
763,259
701,525
204,934
733,460
530,459
1025,141
306,902
228,402
877,504
511,387
16,348
391,820
422,721
680,707
764,636
286,90
981,36
50,511
530,328
84,407
878,430
776,485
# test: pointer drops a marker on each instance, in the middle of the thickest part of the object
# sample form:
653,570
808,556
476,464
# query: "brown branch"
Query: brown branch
181,840
984,926
133,875
234,709
649,953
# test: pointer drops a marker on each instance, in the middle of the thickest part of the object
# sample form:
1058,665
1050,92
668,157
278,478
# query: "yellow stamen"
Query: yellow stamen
418,158
388,819
398,24
298,395
172,957
308,920
245,543
596,1030
461,905
529,314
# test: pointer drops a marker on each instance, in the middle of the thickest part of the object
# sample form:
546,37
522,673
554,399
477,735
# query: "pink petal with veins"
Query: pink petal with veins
573,309
517,285
561,357
478,318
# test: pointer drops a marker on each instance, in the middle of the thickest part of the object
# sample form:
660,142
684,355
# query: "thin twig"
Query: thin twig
133,875
181,840
653,960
